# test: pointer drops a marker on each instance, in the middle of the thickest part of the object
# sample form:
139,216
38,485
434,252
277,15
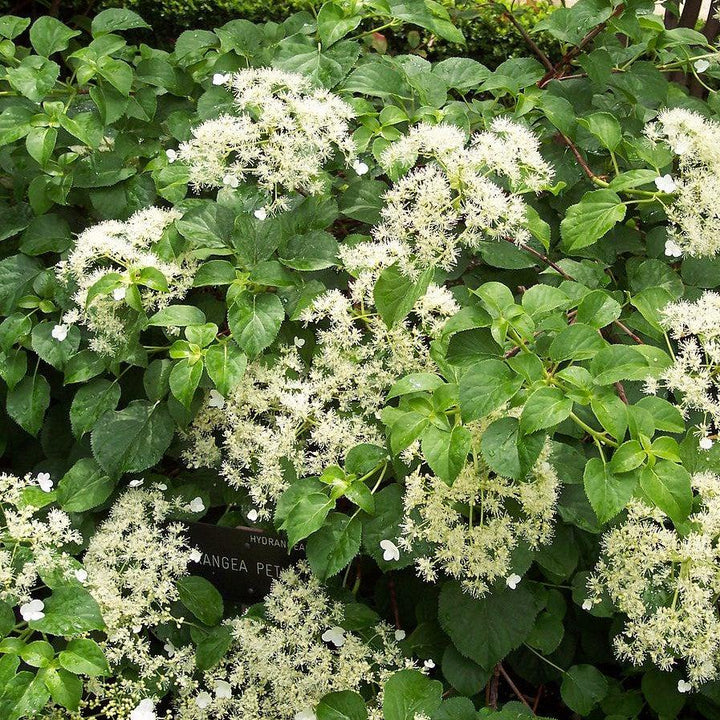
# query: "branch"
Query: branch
514,688
529,41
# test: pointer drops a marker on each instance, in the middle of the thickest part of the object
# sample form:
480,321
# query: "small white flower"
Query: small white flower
706,443
360,167
390,549
306,714
335,635
683,686
701,65
223,690
252,516
587,604
60,332
429,664
32,610
260,214
119,293
203,699
231,180
672,249
299,342
144,711
169,648
220,79
44,481
171,155
162,486
136,628
400,635
81,575
665,183
195,556
136,483
682,146
216,400
196,505
512,580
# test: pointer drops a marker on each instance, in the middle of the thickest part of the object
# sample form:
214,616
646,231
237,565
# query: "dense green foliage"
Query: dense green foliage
540,373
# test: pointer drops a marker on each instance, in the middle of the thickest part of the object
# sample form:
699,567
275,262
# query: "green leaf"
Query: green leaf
430,15
28,401
508,452
91,402
184,380
133,439
582,688
395,294
334,545
485,387
48,35
201,598
84,486
416,382
23,696
69,611
84,656
114,19
178,316
65,688
306,516
342,705
409,693
597,309
16,274
212,644
627,457
255,321
34,77
446,451
605,127
363,200
587,221
52,351
546,407
668,486
608,493
576,342
225,364
11,26
487,629
40,143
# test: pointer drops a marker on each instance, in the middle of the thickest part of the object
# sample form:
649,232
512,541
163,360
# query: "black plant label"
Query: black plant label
240,562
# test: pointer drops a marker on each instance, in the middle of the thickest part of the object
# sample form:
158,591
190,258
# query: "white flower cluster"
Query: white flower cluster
692,377
667,584
126,249
133,562
32,542
282,134
473,525
279,666
451,198
312,414
694,214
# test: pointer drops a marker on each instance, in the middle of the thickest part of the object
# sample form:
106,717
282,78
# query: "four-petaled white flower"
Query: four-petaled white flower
665,183
683,686
220,78
195,556
335,635
203,699
161,486
512,580
260,214
216,400
429,664
231,180
223,690
400,635
196,505
360,167
390,550
171,155
252,516
701,65
44,481
306,714
169,648
706,443
298,342
144,711
81,575
119,293
60,332
672,249
587,604
32,610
